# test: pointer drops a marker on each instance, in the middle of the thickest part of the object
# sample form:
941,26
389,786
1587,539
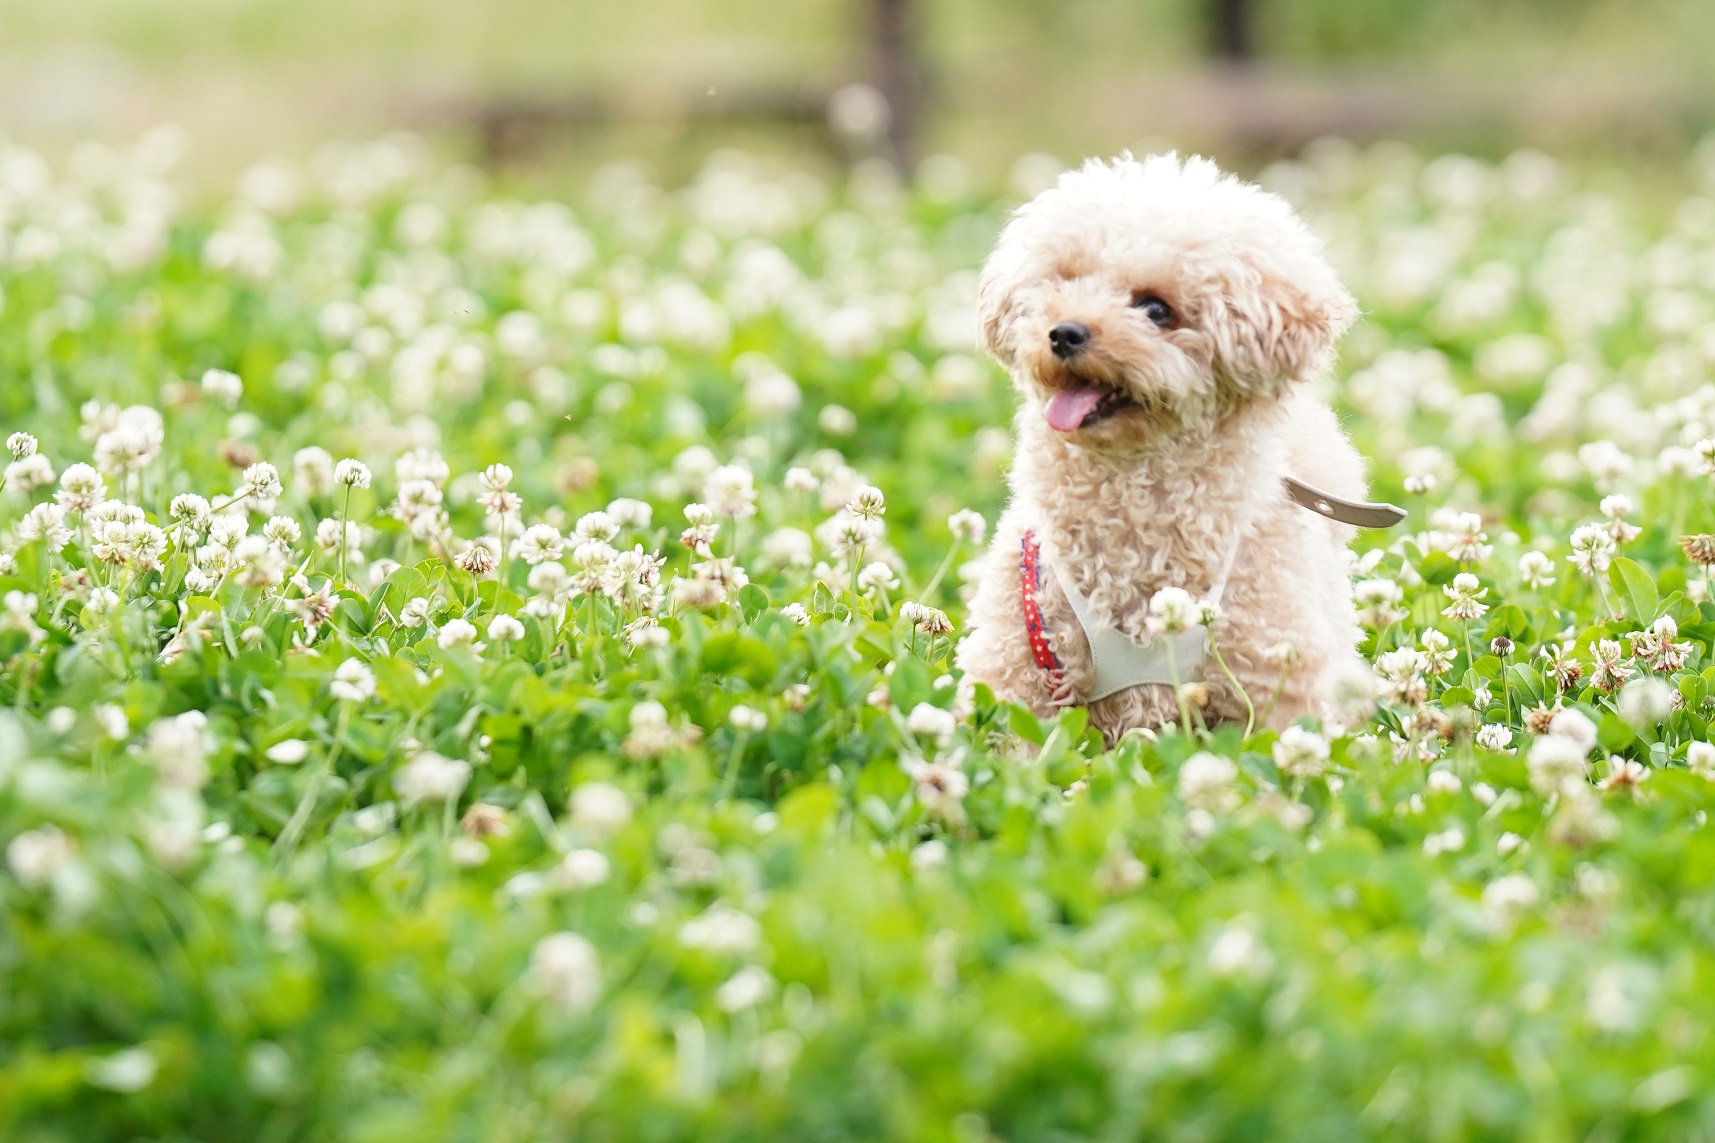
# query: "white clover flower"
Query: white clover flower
1461,535
788,547
288,751
45,522
628,513
1624,774
179,746
421,464
282,532
21,446
1465,592
416,611
1606,462
837,420
505,629
592,561
748,719
500,503
478,559
262,481
81,488
223,386
967,526
1507,897
35,855
1645,702
928,855
1172,610
1449,840
428,777
772,395
1300,752
132,444
800,480
1237,951
351,473
227,530
111,721
941,787
1206,781
1443,782
258,563
581,869
539,544
748,987
1616,508
797,613
1574,725
721,929
1494,736
1700,758
932,722
877,576
1534,569
1678,461
313,470
28,474
567,970
20,615
1592,549
1556,765
1378,602
191,512
730,491
1349,689
867,503
596,526
467,852
353,681
602,809
847,535
646,632
130,1070
458,633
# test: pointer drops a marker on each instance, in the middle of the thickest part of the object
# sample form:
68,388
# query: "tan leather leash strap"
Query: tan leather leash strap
1357,513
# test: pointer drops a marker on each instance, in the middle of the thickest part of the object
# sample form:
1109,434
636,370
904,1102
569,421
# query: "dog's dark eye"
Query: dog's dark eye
1154,309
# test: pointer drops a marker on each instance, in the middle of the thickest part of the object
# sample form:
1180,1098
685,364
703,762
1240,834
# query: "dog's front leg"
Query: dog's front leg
996,649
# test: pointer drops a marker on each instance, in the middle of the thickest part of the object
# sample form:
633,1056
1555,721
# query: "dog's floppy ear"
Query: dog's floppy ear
995,307
1279,328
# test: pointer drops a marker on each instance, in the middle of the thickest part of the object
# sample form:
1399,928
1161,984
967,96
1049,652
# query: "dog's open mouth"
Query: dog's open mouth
1083,404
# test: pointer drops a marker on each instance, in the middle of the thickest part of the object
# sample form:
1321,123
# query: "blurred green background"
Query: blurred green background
546,82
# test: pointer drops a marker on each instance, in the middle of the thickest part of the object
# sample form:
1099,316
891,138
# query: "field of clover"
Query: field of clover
478,667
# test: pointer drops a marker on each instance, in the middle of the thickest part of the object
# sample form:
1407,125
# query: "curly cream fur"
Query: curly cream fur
1160,493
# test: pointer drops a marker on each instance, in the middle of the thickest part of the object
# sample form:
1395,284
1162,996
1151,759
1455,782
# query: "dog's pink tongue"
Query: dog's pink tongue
1067,408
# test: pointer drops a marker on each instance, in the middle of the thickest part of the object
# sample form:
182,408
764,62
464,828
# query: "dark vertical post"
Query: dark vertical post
896,74
1232,28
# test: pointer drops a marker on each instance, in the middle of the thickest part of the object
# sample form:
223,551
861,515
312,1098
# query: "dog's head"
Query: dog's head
1136,297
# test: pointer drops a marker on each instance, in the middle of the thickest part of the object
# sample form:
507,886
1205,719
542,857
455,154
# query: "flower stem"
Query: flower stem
729,775
1221,662
1178,690
1279,689
928,593
344,515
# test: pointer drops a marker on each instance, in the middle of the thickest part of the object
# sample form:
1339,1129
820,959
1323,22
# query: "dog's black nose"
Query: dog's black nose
1068,339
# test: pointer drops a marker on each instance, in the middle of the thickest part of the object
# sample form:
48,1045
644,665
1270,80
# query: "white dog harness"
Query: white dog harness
1118,661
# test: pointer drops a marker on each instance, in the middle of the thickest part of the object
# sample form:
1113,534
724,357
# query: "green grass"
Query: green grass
290,856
